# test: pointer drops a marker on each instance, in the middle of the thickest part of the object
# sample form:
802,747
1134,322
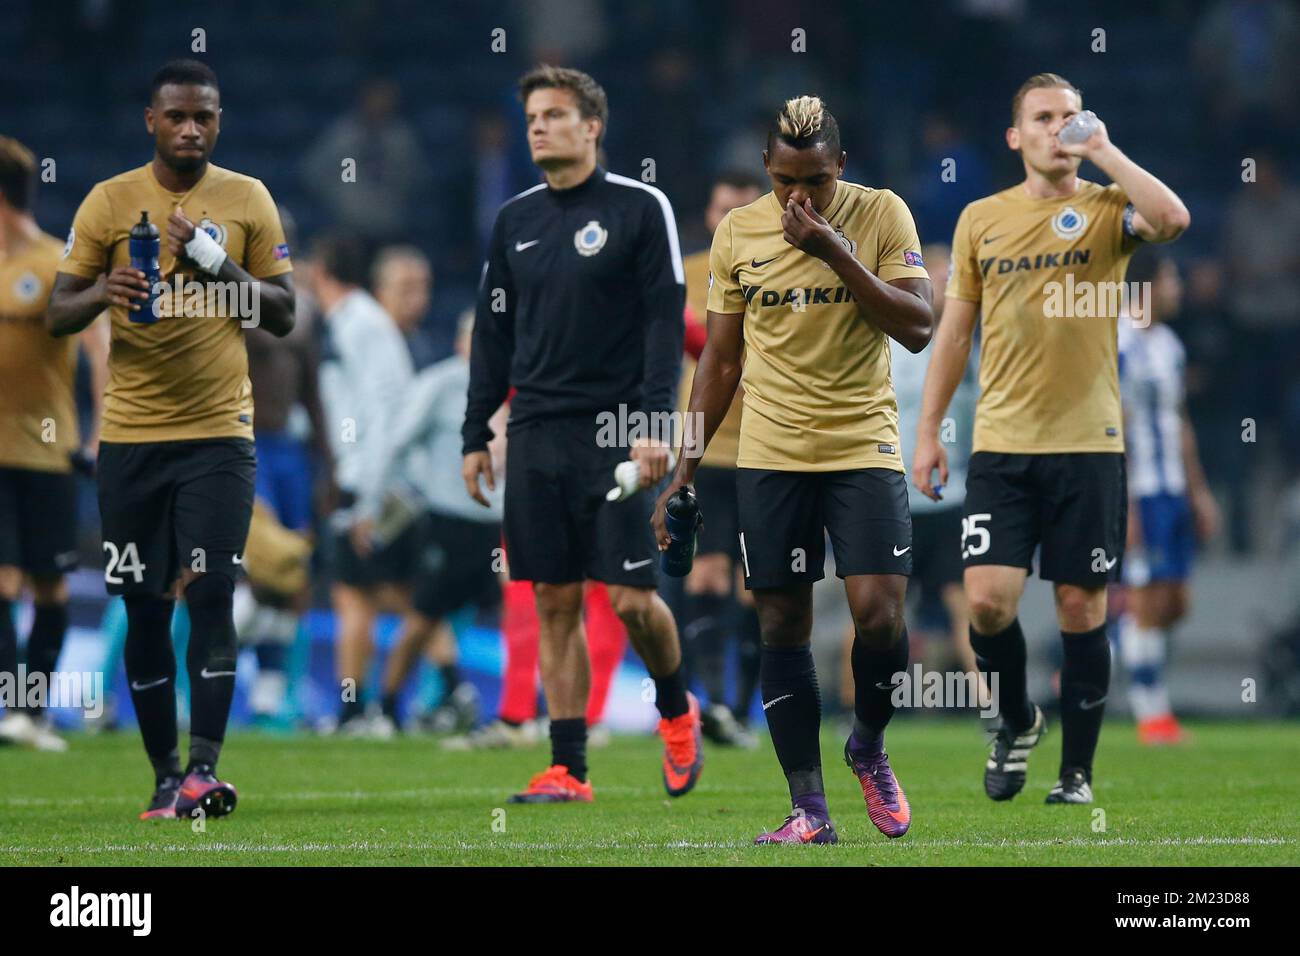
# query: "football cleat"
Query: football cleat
1004,774
721,727
20,728
497,735
555,785
800,828
886,803
1073,787
201,790
683,749
162,806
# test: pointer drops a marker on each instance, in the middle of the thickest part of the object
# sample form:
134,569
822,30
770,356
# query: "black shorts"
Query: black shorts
171,505
558,526
936,549
1075,506
394,563
783,514
716,490
456,565
38,521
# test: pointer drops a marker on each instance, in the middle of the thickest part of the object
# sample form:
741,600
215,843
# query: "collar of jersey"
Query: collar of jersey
575,193
180,197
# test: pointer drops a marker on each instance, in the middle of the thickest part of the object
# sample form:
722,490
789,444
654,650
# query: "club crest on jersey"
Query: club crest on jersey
590,239
27,288
72,240
215,230
1069,223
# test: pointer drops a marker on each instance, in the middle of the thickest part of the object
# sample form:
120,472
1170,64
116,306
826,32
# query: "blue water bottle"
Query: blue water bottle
145,245
682,518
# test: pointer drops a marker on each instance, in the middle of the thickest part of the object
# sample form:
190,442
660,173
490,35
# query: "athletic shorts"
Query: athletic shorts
455,565
38,521
558,526
394,563
285,479
936,549
170,505
1168,541
785,517
716,490
1073,507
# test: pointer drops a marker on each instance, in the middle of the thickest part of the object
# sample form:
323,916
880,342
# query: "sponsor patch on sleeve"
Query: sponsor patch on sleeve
281,251
913,258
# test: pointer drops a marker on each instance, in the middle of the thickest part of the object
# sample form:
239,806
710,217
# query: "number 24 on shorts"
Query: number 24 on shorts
970,528
128,562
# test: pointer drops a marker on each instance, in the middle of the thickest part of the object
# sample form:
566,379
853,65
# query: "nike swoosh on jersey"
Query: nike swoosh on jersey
629,566
755,264
1111,563
521,246
993,238
898,553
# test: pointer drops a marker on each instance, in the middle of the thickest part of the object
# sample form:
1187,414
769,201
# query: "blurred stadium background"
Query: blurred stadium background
414,89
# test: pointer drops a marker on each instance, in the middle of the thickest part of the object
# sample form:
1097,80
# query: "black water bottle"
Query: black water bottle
145,246
682,518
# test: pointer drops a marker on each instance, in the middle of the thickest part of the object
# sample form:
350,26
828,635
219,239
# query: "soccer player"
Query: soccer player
580,309
808,284
283,373
365,371
458,540
936,525
1047,469
1170,504
176,462
38,437
716,602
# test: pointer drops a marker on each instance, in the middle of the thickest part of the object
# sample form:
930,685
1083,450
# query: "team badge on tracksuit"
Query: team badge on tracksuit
590,239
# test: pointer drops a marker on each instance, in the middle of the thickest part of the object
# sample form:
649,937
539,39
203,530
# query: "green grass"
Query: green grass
1227,799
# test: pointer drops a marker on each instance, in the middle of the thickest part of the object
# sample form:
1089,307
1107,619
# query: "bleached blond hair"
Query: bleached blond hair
805,121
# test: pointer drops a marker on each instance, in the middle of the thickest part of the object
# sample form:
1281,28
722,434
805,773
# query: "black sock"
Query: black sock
203,755
1085,682
211,662
705,634
569,745
670,694
873,690
1003,654
151,673
9,649
792,704
45,642
349,709
450,677
388,705
749,662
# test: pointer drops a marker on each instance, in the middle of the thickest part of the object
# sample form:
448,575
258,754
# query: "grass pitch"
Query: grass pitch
1228,799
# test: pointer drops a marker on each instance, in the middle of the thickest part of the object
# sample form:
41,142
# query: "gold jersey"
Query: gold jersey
38,414
818,393
725,445
1049,366
185,376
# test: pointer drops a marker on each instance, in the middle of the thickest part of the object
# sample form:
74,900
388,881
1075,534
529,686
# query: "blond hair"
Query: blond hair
805,121
1041,81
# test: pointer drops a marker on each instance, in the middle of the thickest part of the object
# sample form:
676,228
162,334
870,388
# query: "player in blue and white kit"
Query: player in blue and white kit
1170,505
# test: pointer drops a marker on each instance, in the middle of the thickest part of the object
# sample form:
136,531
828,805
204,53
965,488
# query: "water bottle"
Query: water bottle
683,519
1079,129
145,245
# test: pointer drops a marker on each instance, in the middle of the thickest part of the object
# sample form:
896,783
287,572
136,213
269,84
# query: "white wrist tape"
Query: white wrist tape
205,252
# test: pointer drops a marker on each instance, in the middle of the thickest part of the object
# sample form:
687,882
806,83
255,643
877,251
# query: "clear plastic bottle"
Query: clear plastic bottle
1079,129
